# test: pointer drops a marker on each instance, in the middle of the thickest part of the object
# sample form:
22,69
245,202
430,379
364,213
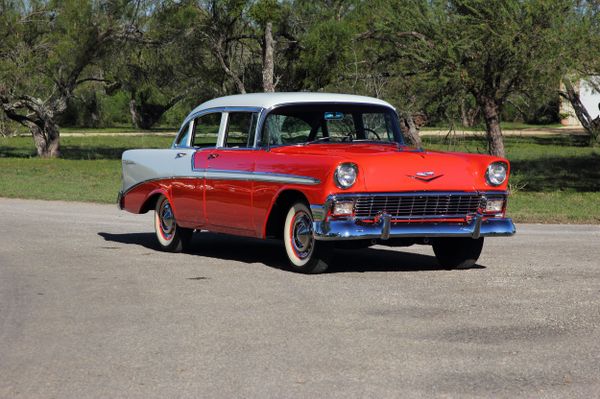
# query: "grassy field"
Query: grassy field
554,179
504,125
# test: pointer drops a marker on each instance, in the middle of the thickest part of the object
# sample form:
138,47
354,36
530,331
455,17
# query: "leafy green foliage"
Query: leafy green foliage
441,61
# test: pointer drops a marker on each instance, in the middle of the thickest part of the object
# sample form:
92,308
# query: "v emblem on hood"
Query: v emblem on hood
425,176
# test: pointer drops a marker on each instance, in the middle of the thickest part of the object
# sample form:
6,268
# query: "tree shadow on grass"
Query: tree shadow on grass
92,153
580,173
579,140
271,253
68,152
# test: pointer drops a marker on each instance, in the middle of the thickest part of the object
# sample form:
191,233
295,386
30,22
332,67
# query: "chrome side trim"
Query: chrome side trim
221,174
123,193
235,175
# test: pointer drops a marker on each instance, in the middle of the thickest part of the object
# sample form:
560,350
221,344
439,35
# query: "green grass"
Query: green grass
21,130
504,125
90,169
60,179
554,178
555,207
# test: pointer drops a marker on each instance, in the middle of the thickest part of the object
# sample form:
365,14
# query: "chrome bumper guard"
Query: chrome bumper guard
350,229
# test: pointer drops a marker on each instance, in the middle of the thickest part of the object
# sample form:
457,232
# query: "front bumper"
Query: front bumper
348,229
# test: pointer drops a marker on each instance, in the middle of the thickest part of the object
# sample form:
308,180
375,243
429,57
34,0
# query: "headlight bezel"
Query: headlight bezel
339,173
492,177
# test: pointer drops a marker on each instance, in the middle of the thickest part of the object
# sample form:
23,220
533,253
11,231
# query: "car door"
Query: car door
189,181
229,176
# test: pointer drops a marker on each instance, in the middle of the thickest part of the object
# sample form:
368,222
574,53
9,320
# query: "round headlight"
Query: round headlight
496,173
345,175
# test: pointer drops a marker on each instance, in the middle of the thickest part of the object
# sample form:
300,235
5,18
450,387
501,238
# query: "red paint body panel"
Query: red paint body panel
241,206
188,201
228,203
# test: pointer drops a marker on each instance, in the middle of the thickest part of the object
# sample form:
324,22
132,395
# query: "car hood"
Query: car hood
388,168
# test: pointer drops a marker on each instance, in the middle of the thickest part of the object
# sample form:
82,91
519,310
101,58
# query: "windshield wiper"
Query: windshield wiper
326,138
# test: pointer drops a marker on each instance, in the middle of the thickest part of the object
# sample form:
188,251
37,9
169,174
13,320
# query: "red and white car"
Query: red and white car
316,170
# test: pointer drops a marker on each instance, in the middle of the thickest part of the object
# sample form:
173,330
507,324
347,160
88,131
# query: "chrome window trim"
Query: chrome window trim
192,116
180,133
222,127
246,110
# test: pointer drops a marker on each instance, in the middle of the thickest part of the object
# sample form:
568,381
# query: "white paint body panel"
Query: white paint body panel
270,100
150,164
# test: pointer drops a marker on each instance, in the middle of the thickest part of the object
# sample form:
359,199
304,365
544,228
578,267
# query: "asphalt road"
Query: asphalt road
89,308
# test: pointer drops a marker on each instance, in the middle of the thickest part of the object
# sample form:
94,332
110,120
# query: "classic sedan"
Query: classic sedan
317,171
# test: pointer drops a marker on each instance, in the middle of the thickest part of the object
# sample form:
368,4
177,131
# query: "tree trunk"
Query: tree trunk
268,68
491,115
46,137
467,115
591,126
409,128
218,52
40,122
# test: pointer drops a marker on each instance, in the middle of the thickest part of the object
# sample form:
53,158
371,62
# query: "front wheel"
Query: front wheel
305,254
170,236
457,252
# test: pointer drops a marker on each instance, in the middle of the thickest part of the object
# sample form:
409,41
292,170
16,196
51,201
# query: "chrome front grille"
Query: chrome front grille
419,206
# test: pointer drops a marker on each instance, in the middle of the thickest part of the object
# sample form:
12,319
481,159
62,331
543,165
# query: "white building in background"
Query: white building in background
590,98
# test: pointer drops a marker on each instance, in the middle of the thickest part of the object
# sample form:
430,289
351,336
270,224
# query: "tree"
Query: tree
584,54
49,50
493,49
159,68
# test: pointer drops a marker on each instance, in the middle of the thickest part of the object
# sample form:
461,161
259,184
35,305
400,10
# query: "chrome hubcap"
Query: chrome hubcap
167,221
302,235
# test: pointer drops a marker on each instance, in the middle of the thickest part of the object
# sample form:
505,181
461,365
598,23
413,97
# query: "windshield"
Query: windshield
335,123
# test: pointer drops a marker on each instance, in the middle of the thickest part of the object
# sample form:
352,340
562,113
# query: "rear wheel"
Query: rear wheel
305,254
457,252
170,236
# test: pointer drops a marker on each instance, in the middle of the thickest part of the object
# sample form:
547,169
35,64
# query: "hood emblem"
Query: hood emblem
425,176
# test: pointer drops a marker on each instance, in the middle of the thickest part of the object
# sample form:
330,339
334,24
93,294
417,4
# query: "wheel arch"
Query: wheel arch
150,202
276,217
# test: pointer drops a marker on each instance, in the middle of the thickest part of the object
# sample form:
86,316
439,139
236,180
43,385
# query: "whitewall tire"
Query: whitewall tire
305,254
170,236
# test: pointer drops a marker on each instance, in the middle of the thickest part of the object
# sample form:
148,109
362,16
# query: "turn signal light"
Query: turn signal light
343,208
494,205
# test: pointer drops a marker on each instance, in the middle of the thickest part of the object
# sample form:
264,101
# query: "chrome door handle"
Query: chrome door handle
212,156
180,154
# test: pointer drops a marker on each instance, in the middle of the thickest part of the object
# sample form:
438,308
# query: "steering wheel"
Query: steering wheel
372,131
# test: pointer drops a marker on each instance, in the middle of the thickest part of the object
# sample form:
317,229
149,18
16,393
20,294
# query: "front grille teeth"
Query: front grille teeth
419,206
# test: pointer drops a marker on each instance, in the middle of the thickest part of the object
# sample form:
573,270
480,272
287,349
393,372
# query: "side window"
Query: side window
182,138
241,127
206,130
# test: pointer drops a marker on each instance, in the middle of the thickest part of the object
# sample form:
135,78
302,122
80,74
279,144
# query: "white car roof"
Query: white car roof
268,100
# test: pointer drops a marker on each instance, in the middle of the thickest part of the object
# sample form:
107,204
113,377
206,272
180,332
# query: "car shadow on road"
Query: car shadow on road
272,253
